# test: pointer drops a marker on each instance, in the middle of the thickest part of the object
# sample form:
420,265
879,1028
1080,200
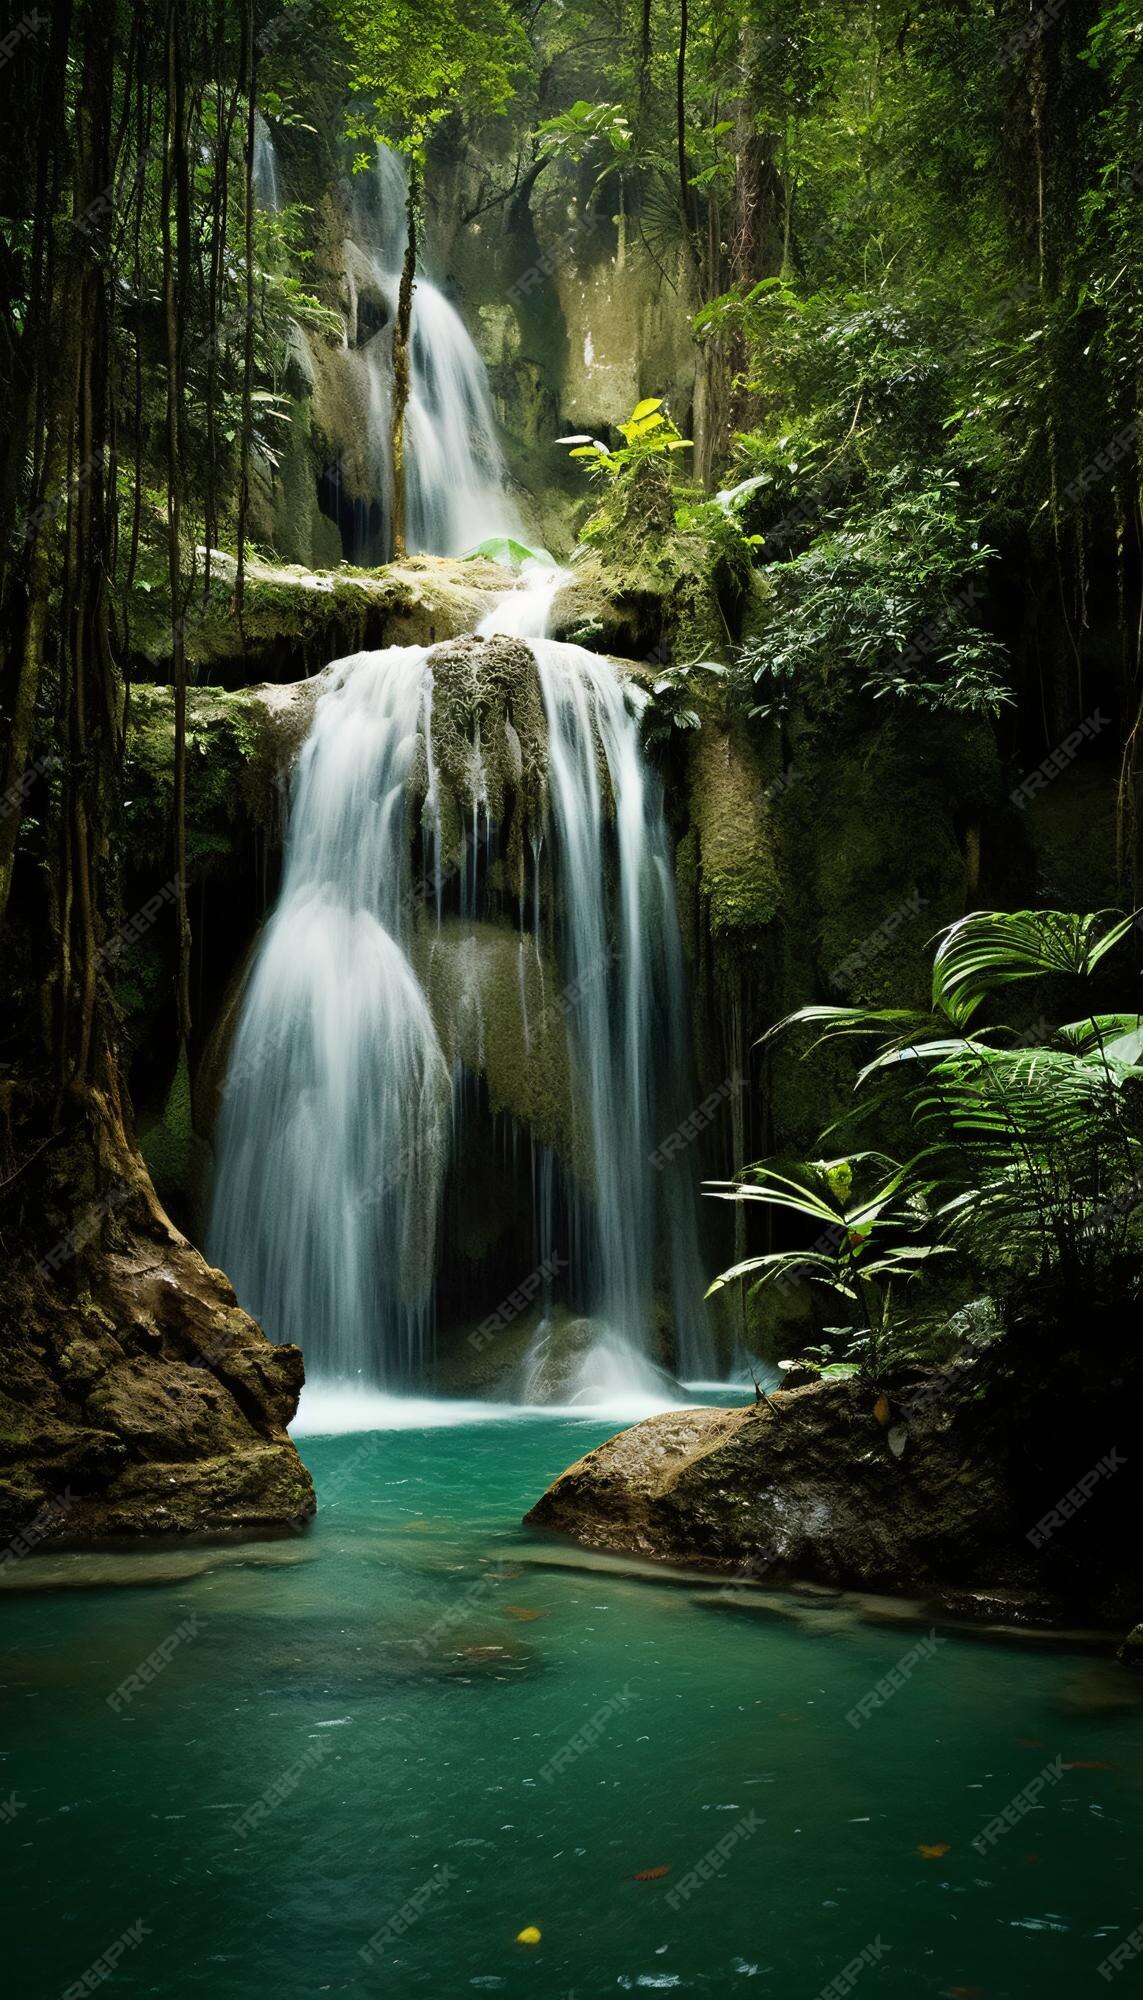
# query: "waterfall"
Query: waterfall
455,474
627,1026
267,187
334,1126
335,1130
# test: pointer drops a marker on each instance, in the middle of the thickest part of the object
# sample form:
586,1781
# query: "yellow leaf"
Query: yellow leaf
881,1408
530,1935
933,1851
645,408
642,428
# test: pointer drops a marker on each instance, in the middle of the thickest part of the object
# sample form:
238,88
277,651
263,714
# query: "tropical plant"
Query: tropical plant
648,433
672,697
874,1236
1032,1142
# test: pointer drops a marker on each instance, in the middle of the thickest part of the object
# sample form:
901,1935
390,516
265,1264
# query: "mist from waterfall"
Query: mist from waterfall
454,469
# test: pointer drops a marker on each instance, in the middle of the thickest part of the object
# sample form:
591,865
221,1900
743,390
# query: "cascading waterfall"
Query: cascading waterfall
267,186
335,1129
333,1135
356,1068
627,1025
454,468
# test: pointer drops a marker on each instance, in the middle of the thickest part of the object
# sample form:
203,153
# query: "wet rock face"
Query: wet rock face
490,746
809,1481
138,1398
811,1485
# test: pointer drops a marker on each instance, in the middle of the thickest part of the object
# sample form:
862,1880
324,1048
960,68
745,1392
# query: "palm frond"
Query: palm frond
993,948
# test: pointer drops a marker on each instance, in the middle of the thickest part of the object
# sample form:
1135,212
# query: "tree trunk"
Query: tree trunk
401,370
176,260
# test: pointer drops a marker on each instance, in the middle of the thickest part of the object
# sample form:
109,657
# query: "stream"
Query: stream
414,1676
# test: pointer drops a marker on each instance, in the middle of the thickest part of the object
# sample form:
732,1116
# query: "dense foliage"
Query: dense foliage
1029,1168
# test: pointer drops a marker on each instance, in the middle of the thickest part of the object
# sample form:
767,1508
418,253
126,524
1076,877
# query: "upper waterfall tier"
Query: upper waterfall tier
454,467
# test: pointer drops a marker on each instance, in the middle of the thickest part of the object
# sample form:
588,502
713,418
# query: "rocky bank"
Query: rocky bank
939,1493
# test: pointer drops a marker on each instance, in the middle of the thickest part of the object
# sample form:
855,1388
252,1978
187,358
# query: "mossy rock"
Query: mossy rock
296,620
239,746
490,747
732,853
168,1145
496,1003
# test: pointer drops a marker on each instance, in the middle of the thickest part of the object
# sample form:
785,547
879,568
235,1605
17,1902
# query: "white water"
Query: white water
627,1027
329,1409
267,185
454,468
333,1135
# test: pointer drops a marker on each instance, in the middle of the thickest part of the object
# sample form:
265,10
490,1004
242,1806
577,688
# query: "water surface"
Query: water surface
417,1667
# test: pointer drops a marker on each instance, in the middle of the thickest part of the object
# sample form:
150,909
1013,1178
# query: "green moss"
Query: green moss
296,620
238,746
738,881
490,746
167,1147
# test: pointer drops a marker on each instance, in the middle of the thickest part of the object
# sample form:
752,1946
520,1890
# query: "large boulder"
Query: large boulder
138,1398
972,1486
